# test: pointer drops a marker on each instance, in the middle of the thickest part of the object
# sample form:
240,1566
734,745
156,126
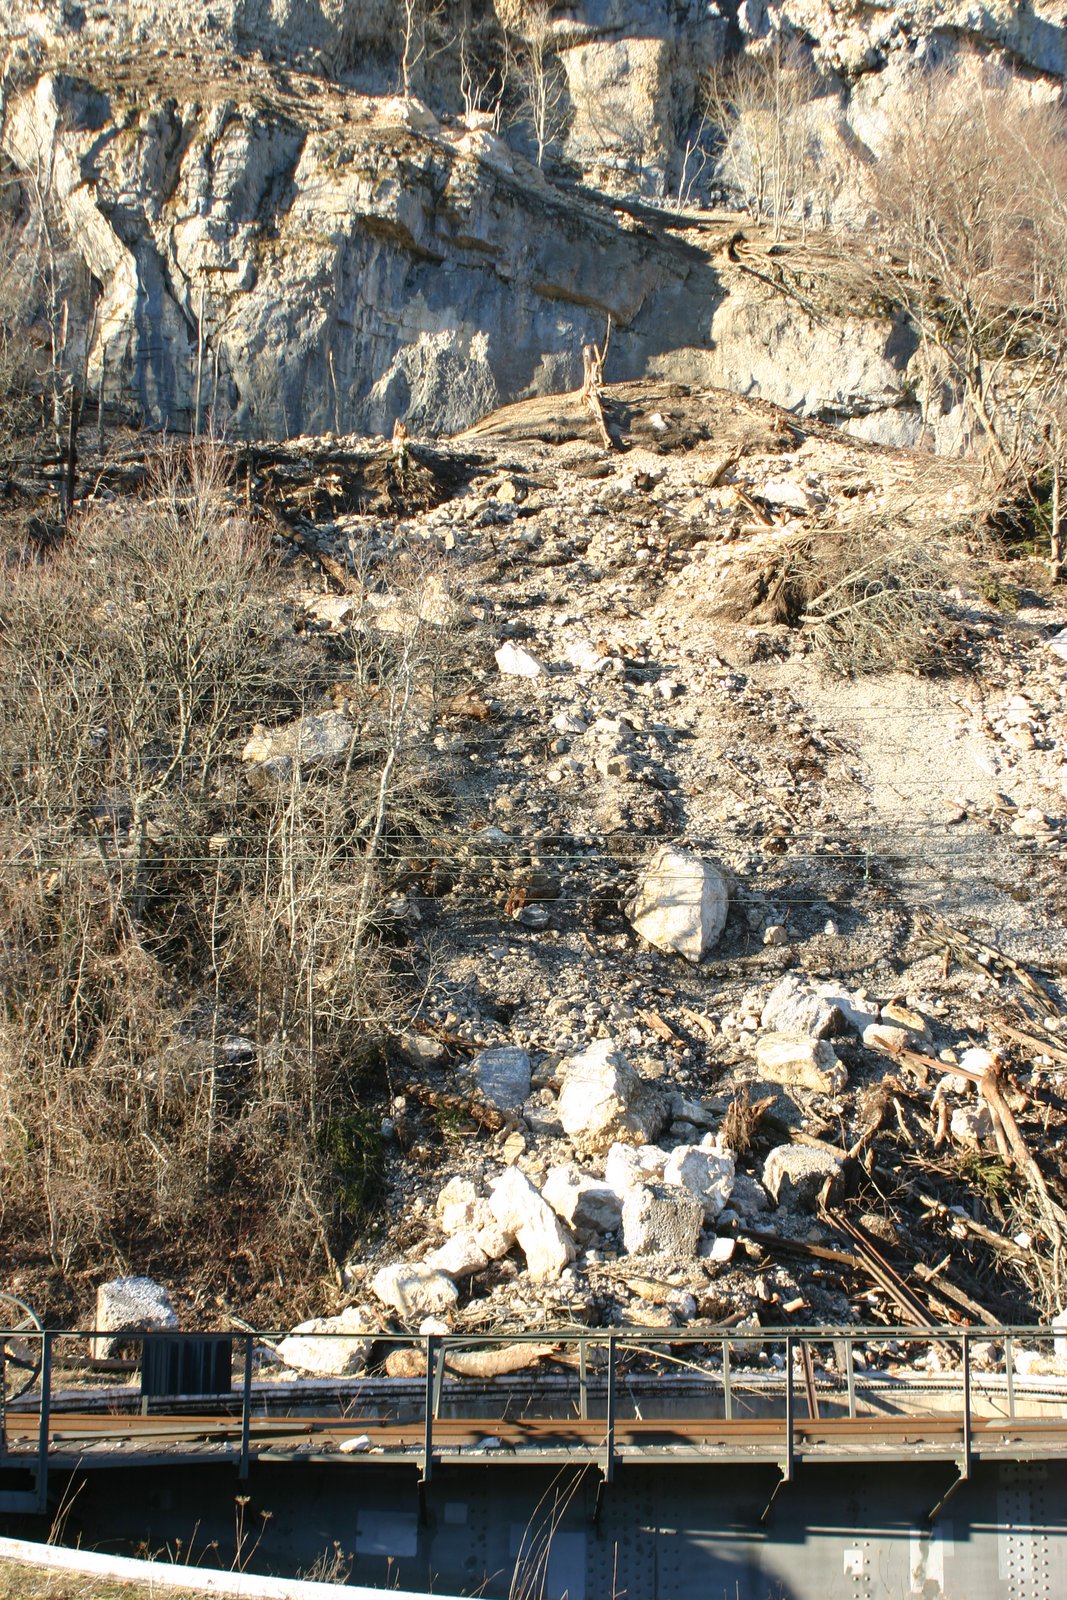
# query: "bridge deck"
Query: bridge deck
92,1439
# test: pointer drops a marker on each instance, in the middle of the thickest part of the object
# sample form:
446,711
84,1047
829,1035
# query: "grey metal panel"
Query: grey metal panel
18,1502
621,1557
1025,1550
663,1533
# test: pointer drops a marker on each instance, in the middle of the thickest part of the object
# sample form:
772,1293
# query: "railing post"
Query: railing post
1009,1373
609,1434
850,1379
431,1378
727,1392
965,1466
583,1381
787,1471
46,1411
439,1381
246,1407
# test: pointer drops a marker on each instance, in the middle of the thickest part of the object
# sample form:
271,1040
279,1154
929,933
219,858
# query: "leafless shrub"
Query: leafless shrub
18,369
871,593
756,101
875,598
194,970
971,197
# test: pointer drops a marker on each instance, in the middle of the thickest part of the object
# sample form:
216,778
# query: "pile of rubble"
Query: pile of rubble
631,1205
638,1091
742,991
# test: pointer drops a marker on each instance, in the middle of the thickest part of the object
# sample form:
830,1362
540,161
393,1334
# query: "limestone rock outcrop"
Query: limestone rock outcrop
330,257
680,904
326,266
604,1101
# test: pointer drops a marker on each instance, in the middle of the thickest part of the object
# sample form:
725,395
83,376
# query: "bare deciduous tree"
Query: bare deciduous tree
530,25
757,100
419,23
484,63
971,196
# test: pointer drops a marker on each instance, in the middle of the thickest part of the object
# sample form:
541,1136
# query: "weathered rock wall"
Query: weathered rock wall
298,31
332,267
325,259
632,68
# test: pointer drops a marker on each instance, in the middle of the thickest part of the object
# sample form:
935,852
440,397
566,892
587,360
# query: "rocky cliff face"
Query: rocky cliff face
322,32
305,256
632,68
311,260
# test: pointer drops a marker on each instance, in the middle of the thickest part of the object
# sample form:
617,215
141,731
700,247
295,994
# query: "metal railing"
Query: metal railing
786,1390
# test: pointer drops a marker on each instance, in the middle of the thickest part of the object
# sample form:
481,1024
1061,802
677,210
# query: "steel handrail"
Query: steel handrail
616,1343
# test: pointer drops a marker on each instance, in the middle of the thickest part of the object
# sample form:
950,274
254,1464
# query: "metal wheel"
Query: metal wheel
20,1357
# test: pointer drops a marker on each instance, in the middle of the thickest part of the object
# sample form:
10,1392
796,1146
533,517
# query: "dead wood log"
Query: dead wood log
875,1265
1043,1047
942,1130
997,1241
1015,1151
763,518
1052,1213
983,958
709,1029
777,1244
661,1029
492,1363
593,359
931,1277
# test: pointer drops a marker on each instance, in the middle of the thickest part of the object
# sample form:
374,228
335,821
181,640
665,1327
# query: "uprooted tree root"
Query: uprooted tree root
871,594
321,483
742,1121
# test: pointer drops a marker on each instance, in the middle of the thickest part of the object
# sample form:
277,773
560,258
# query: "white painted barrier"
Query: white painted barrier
161,1574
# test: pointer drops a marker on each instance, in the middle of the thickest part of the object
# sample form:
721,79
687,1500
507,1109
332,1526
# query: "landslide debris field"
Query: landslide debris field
602,885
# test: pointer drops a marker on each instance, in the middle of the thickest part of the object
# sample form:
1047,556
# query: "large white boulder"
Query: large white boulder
414,1289
794,1007
459,1205
331,1347
796,1173
459,1256
706,1170
521,1211
588,1205
603,1100
515,662
662,1220
464,1213
412,113
680,904
628,1166
800,1062
130,1305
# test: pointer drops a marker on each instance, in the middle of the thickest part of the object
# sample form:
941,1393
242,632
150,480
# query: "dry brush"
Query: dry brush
196,972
